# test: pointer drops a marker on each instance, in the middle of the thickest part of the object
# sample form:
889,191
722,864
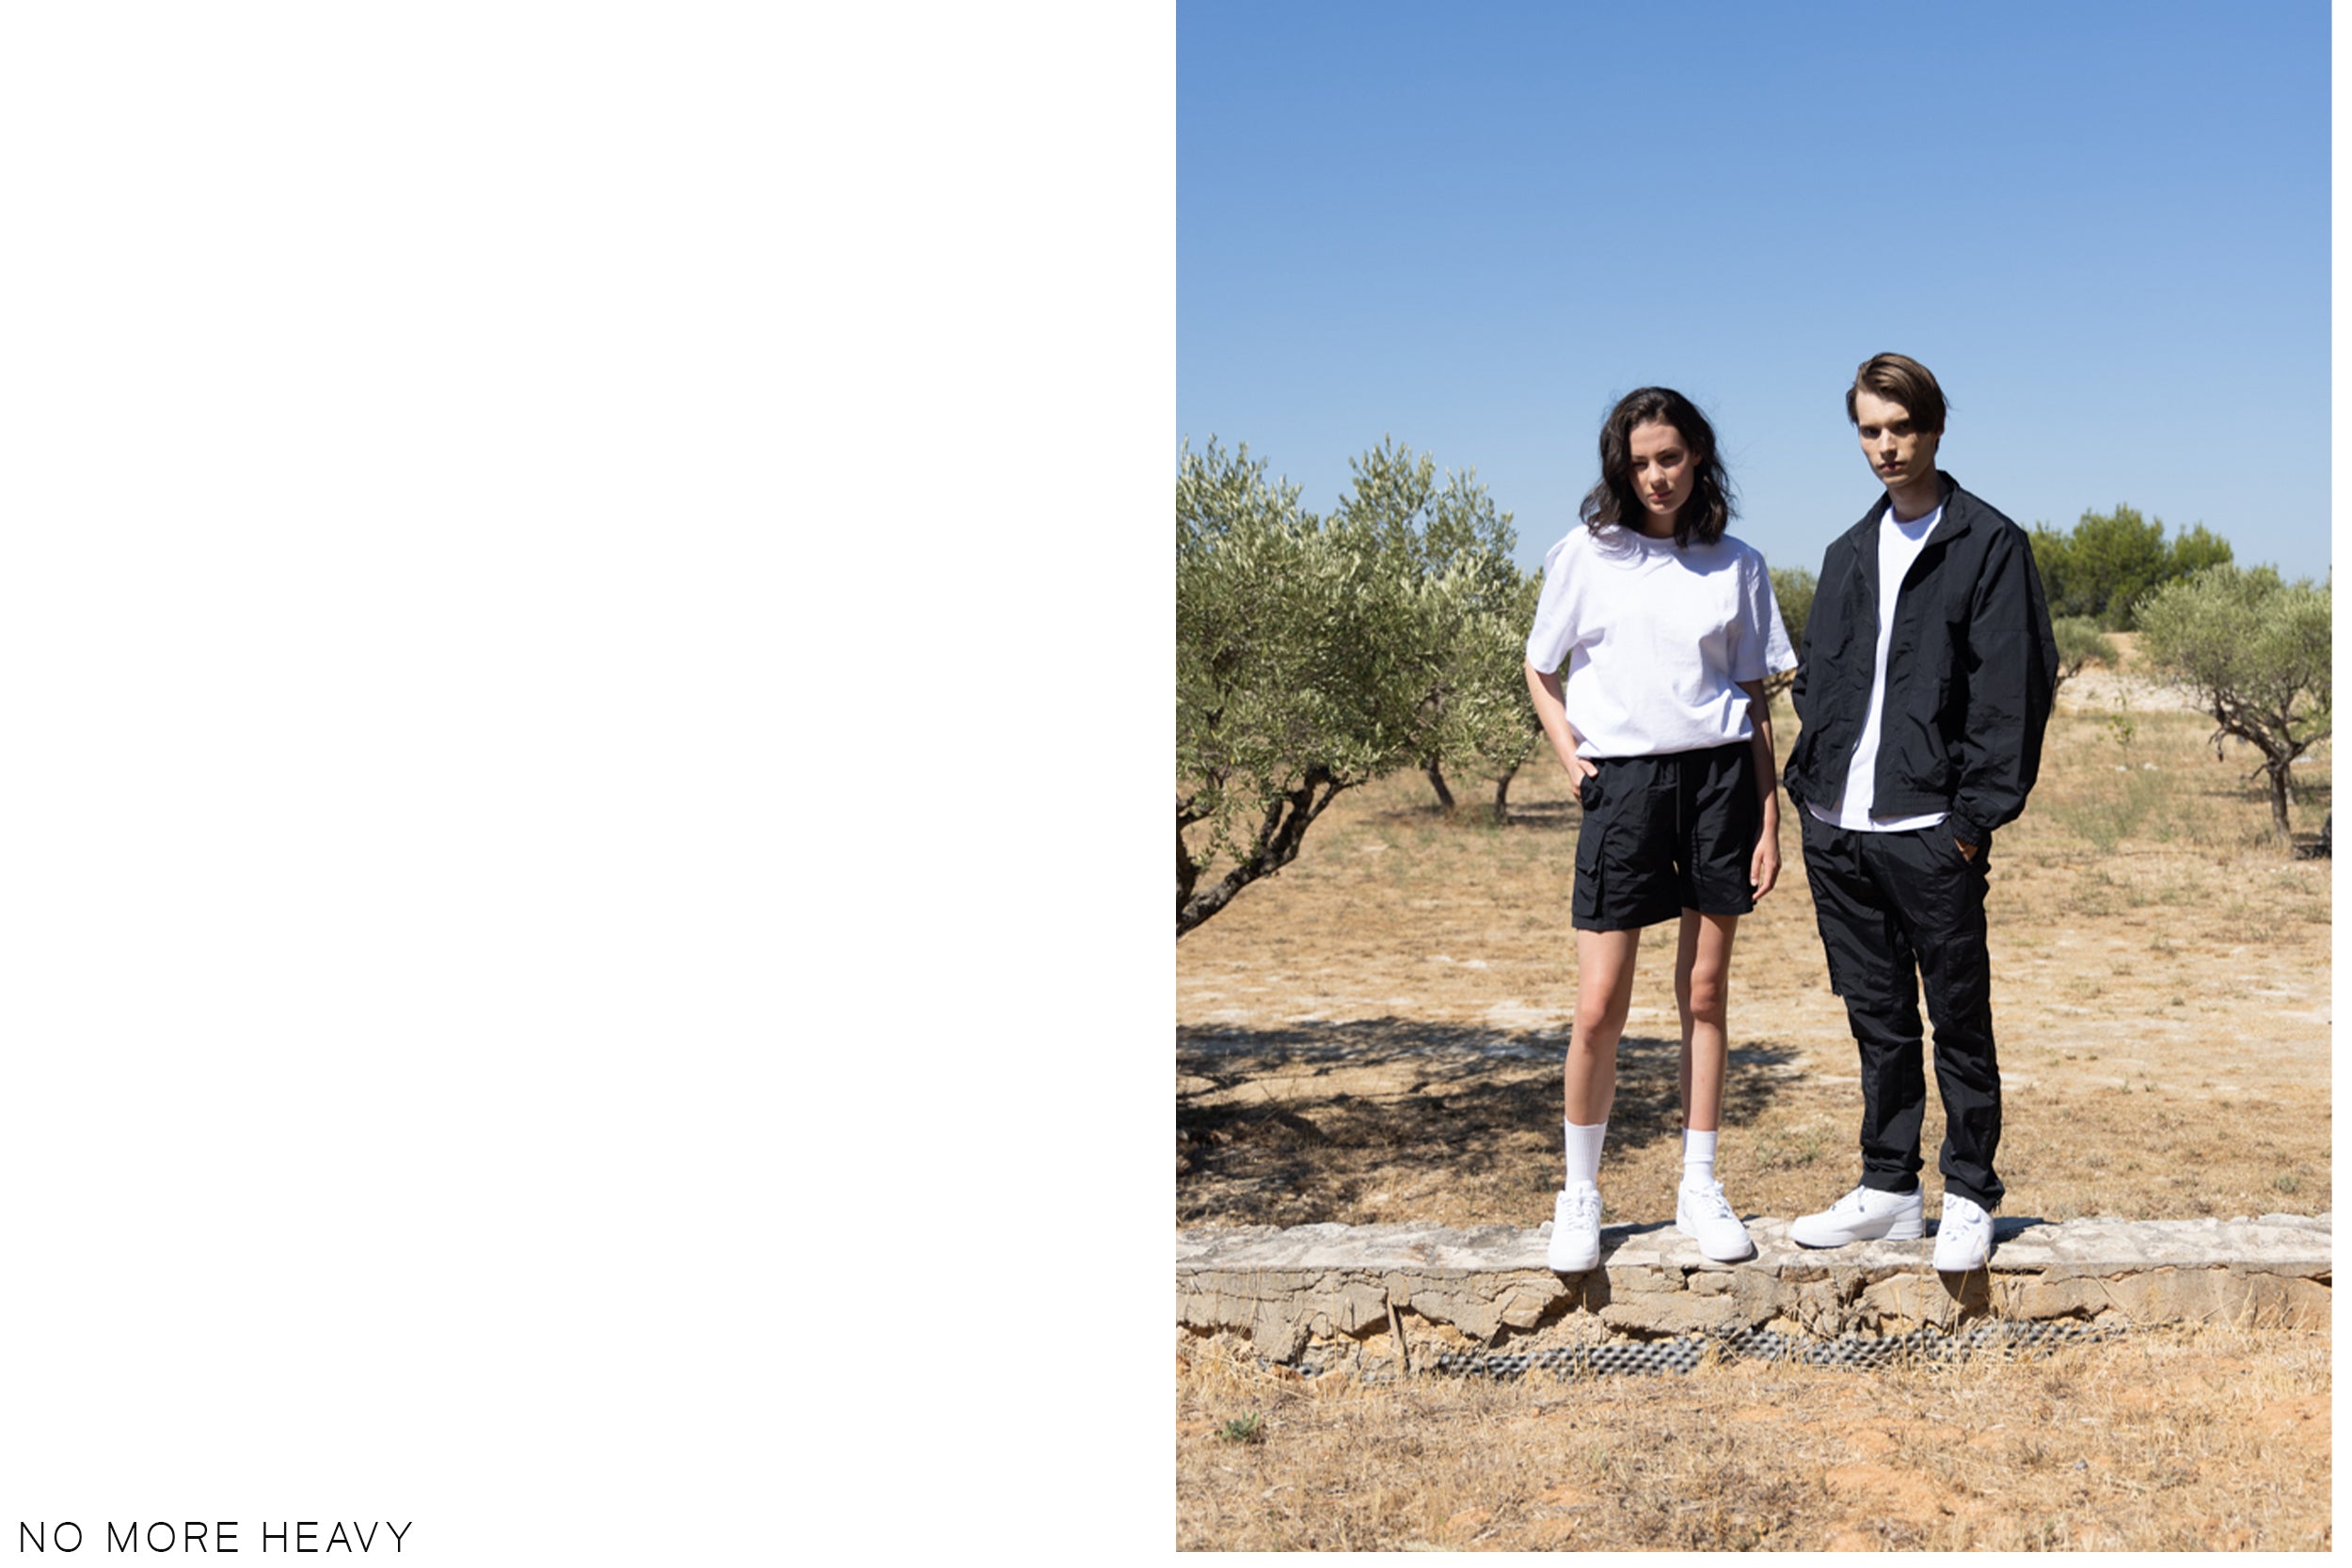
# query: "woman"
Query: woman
1668,627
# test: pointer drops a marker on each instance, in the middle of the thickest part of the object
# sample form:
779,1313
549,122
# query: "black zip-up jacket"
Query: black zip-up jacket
1971,673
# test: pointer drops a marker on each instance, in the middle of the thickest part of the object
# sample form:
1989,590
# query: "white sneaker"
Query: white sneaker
1964,1237
1865,1215
1574,1230
1701,1211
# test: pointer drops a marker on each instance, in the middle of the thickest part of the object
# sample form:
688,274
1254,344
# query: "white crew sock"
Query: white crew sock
1698,1157
1584,1147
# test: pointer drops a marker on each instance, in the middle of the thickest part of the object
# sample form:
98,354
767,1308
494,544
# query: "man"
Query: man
1923,688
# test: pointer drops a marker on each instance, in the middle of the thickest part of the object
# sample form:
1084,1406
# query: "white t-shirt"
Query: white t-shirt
1656,638
1899,544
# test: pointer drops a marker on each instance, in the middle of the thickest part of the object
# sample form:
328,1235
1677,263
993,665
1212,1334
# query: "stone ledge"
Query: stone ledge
1355,1290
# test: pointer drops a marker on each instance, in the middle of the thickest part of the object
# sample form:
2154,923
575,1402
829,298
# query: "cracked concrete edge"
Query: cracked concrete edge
1486,1287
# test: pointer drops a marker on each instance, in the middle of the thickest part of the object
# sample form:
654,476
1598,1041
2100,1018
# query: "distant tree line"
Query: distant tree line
2112,560
2094,577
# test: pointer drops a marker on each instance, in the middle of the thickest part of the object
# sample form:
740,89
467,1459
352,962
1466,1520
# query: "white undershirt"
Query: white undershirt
1899,543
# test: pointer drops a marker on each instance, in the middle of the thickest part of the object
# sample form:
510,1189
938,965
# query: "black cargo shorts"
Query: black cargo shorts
1666,833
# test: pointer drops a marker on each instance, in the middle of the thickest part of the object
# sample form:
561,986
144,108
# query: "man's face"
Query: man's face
1899,453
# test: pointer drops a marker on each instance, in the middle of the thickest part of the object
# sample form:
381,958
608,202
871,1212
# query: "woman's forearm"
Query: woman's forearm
1551,710
1760,741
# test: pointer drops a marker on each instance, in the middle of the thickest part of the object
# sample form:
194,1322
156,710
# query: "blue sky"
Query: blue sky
2103,226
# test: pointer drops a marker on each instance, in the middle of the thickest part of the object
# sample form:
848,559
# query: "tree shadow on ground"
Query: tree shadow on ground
1537,815
1349,1121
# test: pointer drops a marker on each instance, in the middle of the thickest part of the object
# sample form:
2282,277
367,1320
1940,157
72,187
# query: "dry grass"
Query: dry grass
2190,1441
1374,1036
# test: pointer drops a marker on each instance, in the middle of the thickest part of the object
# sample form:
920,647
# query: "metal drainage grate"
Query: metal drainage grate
2007,1341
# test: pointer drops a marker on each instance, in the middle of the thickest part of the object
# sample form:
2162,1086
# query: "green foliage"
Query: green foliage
1792,586
1500,731
2195,549
1287,635
2080,642
2111,561
1470,605
1243,1428
2255,650
1314,653
1453,532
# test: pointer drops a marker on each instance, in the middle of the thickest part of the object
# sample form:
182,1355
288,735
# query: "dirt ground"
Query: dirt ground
1375,1035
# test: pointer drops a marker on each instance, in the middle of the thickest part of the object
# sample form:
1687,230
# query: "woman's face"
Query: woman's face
1662,473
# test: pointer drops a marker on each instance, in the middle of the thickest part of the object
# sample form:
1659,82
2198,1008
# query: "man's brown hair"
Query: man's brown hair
1899,378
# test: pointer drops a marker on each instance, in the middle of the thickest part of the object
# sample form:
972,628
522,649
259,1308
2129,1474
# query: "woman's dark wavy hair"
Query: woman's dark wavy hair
1709,511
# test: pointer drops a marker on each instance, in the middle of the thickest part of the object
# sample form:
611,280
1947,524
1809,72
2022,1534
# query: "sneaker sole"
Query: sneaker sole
1983,1260
1557,1264
1902,1231
1716,1257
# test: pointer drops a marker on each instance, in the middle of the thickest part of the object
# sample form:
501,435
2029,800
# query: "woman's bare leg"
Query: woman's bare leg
1702,992
1604,992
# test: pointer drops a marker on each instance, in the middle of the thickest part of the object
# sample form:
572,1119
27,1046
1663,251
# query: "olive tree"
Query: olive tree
1498,729
2079,642
1468,607
2254,649
1301,670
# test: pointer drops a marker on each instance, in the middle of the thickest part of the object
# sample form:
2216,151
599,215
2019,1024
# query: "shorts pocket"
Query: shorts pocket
1591,837
1594,829
1588,842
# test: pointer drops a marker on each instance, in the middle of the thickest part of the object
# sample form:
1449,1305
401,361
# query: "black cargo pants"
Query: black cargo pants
1889,905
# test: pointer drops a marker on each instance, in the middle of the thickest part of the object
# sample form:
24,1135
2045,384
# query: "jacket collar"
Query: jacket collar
1955,520
1959,506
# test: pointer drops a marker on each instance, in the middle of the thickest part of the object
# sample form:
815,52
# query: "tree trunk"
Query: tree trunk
1437,781
1502,794
1278,836
1188,868
2281,792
